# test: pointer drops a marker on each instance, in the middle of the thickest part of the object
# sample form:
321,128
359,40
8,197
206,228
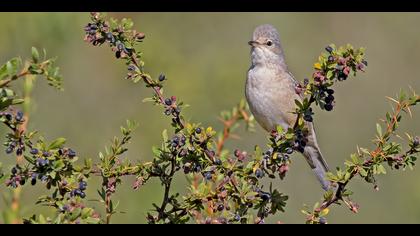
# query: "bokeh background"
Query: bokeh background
205,57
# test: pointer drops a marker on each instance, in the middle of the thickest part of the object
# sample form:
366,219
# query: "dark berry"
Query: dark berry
46,154
237,217
265,196
162,77
117,54
33,181
110,36
22,182
9,116
365,62
259,173
131,67
329,49
289,150
330,91
207,175
43,162
82,185
329,99
168,101
330,59
77,192
308,118
19,116
65,208
120,46
416,141
14,170
218,162
328,107
19,151
237,153
9,150
220,207
197,168
44,178
71,153
82,194
198,130
34,151
322,220
342,76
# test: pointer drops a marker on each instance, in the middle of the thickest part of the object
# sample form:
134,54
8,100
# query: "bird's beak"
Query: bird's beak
252,43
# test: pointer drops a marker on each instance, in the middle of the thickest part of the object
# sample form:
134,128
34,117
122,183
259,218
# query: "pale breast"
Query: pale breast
270,96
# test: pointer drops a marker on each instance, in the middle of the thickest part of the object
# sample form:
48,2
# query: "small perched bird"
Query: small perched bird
270,92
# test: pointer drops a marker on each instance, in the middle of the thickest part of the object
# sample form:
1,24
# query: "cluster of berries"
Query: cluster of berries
100,32
10,117
300,141
16,178
17,145
191,167
12,120
80,190
171,107
178,141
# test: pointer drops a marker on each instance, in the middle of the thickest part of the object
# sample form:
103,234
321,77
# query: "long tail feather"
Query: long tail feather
318,164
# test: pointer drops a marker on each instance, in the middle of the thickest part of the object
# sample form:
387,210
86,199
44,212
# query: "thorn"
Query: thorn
409,112
390,98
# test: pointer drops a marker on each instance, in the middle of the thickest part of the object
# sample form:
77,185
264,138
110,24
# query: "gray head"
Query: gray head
265,46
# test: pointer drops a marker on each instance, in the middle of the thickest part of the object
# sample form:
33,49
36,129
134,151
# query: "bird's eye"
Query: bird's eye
269,43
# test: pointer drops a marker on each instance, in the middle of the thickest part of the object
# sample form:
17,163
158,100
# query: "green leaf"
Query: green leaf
363,172
379,129
41,219
156,151
53,174
57,143
10,68
58,165
35,55
330,74
381,169
165,135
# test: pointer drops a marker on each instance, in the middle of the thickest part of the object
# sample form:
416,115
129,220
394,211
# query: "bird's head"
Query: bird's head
265,45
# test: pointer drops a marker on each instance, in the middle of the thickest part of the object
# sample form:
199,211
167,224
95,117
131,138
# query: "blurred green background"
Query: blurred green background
205,57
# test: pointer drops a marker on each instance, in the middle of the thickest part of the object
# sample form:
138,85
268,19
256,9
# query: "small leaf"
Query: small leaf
379,129
57,143
35,55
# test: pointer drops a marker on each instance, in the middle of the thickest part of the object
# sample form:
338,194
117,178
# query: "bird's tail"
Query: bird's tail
315,160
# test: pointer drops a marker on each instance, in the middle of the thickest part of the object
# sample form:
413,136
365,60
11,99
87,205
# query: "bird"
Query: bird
270,91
